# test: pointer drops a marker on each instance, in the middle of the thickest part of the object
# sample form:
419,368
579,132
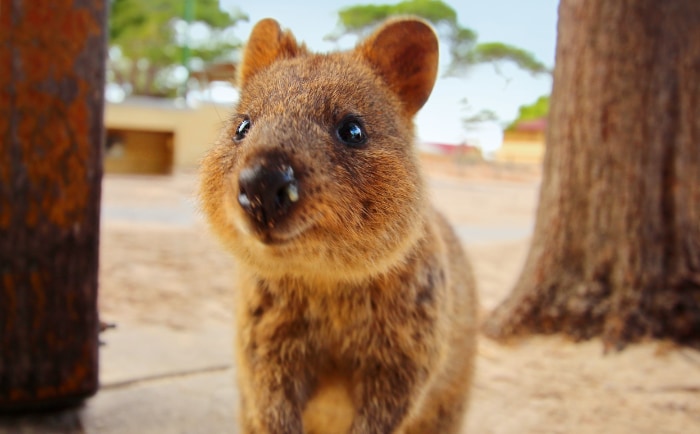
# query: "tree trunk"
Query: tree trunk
616,247
52,54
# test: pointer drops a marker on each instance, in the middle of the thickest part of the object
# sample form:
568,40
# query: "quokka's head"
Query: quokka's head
315,174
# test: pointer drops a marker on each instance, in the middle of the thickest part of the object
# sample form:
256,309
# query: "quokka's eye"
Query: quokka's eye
351,132
242,130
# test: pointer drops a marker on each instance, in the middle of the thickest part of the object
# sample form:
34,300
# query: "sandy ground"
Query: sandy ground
160,266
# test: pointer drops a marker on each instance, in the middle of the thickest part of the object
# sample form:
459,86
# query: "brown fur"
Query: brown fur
355,306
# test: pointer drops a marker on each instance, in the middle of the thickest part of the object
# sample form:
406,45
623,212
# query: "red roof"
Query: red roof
534,125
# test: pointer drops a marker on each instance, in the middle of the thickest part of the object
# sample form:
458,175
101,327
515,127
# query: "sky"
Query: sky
530,25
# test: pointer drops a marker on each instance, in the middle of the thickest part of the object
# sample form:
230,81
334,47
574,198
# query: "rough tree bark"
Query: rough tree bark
52,54
616,247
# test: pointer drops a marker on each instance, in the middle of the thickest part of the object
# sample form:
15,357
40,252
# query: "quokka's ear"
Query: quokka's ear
267,43
404,52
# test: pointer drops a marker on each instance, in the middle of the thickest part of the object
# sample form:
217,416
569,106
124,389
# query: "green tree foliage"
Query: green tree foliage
474,118
479,117
148,40
498,51
529,112
464,49
358,18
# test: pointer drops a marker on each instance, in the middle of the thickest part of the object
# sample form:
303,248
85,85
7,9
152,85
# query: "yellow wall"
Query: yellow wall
193,130
522,147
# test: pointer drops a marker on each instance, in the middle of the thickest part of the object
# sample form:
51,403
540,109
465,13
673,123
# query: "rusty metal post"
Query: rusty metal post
52,67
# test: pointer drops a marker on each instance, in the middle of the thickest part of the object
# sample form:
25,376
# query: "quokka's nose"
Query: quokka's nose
267,190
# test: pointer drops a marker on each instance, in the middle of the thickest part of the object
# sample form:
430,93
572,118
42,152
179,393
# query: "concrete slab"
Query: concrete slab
158,380
135,352
153,380
189,404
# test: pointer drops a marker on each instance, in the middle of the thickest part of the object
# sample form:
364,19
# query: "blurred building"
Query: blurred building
525,143
159,136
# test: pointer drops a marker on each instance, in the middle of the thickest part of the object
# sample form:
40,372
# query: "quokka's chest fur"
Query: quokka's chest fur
407,305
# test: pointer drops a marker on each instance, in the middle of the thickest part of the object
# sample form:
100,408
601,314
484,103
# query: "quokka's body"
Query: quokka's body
355,304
